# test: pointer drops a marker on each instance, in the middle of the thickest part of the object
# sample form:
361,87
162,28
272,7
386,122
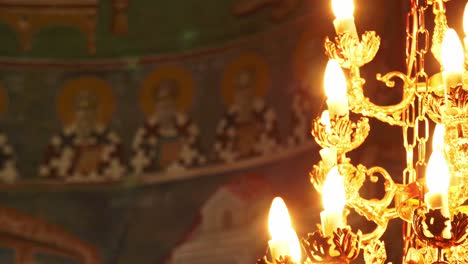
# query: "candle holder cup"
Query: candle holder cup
343,247
431,227
280,260
343,134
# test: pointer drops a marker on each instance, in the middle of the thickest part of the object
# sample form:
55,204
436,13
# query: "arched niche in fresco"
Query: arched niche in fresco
30,17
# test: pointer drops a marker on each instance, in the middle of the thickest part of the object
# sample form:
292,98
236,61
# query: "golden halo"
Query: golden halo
303,58
95,86
3,100
169,72
241,63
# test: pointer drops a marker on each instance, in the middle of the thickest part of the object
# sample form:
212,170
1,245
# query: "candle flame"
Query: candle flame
452,52
278,218
280,228
437,173
334,81
333,192
343,8
438,138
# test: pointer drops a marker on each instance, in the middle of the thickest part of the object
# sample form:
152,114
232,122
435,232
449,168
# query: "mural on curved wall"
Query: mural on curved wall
169,139
86,149
131,124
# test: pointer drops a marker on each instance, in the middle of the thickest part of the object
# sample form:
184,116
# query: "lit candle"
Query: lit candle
344,19
325,120
452,59
438,138
334,200
335,90
329,157
284,241
437,180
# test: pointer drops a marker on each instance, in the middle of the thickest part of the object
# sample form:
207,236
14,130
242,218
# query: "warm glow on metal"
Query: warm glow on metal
282,233
452,53
334,81
325,118
343,8
437,173
333,193
438,138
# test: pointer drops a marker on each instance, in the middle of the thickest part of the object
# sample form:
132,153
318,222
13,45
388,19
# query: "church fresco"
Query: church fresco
279,9
248,128
29,17
169,139
31,239
86,149
236,236
119,151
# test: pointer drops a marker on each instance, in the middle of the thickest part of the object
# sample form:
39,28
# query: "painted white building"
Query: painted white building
233,226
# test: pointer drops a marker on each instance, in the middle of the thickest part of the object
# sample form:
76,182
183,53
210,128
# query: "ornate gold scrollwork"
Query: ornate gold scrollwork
391,114
342,247
350,52
353,54
344,135
375,210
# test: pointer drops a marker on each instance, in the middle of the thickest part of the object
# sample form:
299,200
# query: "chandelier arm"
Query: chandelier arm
391,114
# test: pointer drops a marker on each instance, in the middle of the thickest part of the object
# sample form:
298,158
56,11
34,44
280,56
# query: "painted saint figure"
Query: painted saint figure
86,150
249,127
168,139
301,116
8,170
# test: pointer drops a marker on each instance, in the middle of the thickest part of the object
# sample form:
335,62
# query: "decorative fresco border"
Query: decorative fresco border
129,62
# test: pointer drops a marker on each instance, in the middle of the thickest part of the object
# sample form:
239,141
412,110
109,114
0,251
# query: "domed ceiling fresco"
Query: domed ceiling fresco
151,131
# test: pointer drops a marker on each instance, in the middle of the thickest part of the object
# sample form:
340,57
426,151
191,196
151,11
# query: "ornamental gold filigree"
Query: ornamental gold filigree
432,226
391,114
344,135
351,52
378,211
449,108
430,236
280,260
375,252
342,247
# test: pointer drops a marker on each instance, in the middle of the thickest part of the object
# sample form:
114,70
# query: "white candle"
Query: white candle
438,138
334,200
344,21
284,241
452,57
438,180
335,90
325,120
329,157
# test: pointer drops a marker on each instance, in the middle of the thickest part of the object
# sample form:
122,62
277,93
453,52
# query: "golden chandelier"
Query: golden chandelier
431,200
